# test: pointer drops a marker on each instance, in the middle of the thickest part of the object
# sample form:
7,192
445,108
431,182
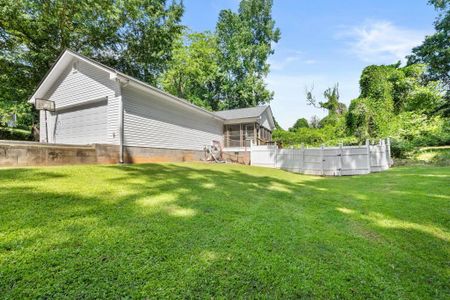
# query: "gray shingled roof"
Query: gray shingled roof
241,113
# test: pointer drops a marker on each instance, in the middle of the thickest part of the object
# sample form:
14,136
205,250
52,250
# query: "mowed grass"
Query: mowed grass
223,231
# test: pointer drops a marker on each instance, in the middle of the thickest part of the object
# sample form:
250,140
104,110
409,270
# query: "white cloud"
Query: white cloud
284,59
379,41
283,63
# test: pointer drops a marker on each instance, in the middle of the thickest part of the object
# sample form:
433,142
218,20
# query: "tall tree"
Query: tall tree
135,36
193,73
334,108
245,41
435,51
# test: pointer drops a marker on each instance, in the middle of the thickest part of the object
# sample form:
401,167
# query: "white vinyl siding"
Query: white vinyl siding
150,121
76,85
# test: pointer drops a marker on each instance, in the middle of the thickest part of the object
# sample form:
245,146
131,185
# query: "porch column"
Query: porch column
255,138
241,136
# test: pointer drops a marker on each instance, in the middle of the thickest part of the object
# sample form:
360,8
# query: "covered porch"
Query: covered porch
241,135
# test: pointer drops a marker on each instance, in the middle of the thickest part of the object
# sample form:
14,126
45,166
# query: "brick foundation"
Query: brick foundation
240,157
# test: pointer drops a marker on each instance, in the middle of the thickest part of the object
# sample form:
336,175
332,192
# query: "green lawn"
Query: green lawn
198,230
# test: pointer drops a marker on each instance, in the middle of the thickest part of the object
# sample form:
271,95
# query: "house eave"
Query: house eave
242,120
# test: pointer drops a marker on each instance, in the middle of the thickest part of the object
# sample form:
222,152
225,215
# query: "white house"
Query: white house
96,104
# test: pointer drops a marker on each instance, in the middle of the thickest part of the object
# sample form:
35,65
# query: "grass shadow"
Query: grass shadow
199,230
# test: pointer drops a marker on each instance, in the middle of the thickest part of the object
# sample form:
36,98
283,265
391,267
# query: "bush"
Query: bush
401,148
15,134
329,135
415,130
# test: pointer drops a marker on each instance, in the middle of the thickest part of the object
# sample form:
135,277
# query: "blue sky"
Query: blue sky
327,41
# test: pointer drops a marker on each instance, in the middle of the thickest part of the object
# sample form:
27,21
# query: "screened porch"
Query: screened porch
241,135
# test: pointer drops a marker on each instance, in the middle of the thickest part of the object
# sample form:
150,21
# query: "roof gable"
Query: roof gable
248,113
62,62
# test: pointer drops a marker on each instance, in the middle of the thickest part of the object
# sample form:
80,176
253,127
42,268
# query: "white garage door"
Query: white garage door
83,124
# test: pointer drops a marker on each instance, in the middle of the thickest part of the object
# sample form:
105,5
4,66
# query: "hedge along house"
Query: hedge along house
136,122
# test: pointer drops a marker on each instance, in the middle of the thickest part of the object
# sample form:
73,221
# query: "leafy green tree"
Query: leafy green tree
245,41
134,36
193,72
300,123
435,52
147,34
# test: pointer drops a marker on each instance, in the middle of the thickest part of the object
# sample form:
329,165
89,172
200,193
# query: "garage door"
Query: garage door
83,124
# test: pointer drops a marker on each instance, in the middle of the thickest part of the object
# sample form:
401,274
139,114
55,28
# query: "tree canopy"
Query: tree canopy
134,36
245,41
226,69
435,52
193,73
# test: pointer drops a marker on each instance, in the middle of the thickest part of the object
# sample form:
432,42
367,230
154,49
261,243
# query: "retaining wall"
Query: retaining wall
18,153
35,154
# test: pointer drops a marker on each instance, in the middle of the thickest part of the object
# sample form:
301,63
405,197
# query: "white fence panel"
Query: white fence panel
330,161
264,156
354,160
312,161
378,158
290,159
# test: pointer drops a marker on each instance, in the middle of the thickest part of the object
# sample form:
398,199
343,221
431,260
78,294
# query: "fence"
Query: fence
329,161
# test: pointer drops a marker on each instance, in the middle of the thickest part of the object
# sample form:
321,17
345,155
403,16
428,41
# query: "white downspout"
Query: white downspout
120,129
122,84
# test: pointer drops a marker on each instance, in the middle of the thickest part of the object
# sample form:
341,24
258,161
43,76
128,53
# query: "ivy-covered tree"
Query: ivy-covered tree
245,41
134,36
387,91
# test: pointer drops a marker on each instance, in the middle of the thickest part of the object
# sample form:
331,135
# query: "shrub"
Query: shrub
415,130
401,148
15,134
328,135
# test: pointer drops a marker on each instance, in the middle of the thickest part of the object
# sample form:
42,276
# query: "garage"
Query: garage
81,124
